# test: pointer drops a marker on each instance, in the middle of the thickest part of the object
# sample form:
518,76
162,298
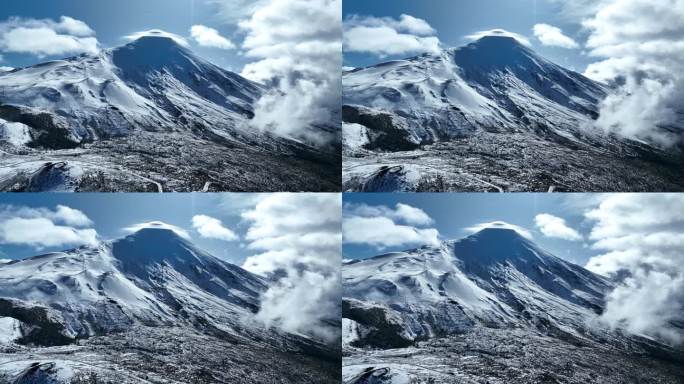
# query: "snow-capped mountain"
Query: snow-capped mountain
495,278
151,277
135,309
491,115
150,115
494,83
151,83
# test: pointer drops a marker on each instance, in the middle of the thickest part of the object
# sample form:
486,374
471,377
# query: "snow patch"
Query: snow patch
17,134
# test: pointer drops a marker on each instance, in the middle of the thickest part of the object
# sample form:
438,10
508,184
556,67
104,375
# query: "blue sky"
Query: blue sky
453,20
111,213
453,213
113,19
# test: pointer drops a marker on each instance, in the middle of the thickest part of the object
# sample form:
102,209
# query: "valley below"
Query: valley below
169,355
499,356
166,162
511,162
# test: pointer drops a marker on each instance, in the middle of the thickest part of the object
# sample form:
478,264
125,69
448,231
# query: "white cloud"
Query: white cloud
499,32
387,36
41,232
298,237
639,47
381,226
5,261
642,237
46,37
382,232
158,225
401,212
298,50
5,69
40,227
553,36
232,11
209,37
500,224
74,27
553,226
212,228
71,216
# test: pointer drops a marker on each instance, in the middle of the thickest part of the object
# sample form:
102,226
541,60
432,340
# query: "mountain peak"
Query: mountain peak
156,229
499,38
156,37
501,231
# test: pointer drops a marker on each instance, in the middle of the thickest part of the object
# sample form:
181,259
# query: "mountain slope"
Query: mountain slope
151,277
494,83
152,83
494,278
128,112
453,111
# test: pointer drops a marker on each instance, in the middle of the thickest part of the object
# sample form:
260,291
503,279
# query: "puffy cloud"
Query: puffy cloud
212,228
158,225
401,212
379,225
642,239
42,227
383,232
71,216
298,47
500,224
499,32
553,36
387,36
158,33
41,232
46,37
640,50
74,27
299,243
553,226
209,37
232,11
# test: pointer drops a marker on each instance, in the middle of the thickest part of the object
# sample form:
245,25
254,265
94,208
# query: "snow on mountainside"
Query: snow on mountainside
465,117
148,115
494,83
495,278
151,83
152,277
